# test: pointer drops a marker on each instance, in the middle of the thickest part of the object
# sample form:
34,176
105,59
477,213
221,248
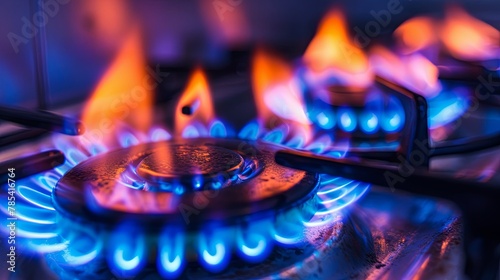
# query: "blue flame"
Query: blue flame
393,118
251,131
197,181
35,197
218,129
33,214
369,122
297,141
195,130
214,251
346,198
159,134
171,259
276,135
325,119
347,119
445,107
379,112
254,243
127,251
288,229
83,245
190,132
320,144
128,139
47,181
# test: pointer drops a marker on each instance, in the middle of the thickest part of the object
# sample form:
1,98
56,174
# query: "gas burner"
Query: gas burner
157,182
182,202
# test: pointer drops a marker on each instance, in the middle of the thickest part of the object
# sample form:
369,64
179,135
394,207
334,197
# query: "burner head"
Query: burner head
347,96
190,165
188,182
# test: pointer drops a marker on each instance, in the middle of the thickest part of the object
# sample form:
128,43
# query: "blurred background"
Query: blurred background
72,42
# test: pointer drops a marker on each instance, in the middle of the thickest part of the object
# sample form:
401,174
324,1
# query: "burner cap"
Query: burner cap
189,182
190,163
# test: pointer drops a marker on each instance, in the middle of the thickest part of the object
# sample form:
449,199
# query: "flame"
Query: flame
123,95
332,48
414,71
267,71
197,99
468,38
462,35
423,75
416,34
277,94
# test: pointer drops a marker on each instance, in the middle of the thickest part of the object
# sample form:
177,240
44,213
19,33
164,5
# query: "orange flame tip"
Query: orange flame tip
197,98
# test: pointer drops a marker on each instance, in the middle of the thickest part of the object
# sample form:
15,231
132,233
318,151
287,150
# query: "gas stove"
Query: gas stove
350,150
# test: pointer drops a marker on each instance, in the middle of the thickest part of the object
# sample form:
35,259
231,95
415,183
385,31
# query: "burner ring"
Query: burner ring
94,190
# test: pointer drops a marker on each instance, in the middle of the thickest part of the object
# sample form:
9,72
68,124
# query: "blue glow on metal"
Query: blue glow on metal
347,119
218,129
171,260
447,106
